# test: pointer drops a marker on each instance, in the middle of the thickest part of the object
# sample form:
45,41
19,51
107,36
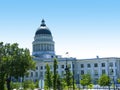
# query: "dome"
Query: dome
43,29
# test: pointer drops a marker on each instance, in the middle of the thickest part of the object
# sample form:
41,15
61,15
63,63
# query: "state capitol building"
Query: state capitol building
44,52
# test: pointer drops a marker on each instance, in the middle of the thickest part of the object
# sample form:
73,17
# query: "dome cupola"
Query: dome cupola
43,29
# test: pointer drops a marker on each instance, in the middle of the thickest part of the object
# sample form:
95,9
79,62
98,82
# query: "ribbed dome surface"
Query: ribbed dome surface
43,31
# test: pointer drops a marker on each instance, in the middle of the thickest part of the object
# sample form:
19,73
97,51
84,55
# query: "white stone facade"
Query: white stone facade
43,52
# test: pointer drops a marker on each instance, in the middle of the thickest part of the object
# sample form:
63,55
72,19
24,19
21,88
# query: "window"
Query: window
111,64
31,74
103,71
41,74
95,65
111,71
82,65
82,72
37,68
62,66
88,65
41,67
36,74
96,72
103,64
45,67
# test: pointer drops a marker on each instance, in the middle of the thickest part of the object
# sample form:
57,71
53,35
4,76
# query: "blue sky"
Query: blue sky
84,28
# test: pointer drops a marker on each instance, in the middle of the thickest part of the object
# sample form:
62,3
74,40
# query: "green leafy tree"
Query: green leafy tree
104,80
85,80
48,78
14,62
28,84
2,65
55,74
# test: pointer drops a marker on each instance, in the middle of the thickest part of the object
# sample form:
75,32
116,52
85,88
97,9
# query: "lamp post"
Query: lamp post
66,70
78,80
73,76
108,74
113,78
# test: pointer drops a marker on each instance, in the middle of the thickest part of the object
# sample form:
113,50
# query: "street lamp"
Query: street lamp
78,80
73,76
66,68
108,74
113,78
111,72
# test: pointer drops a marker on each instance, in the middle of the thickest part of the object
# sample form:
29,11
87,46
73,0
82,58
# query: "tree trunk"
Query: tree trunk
2,81
8,83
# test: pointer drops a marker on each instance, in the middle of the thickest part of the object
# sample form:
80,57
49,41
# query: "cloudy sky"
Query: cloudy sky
84,28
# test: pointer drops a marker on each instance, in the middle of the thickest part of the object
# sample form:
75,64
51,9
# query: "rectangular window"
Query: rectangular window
96,72
41,67
62,66
103,64
111,64
31,74
82,65
103,71
95,65
41,74
45,67
82,72
37,68
36,74
88,65
111,71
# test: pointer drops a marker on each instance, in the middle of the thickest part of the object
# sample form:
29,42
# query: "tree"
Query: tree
104,80
60,83
55,74
68,77
2,66
28,84
48,78
14,62
86,80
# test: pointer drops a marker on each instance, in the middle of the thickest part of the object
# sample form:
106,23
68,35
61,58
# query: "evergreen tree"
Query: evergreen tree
60,83
55,74
68,77
48,77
